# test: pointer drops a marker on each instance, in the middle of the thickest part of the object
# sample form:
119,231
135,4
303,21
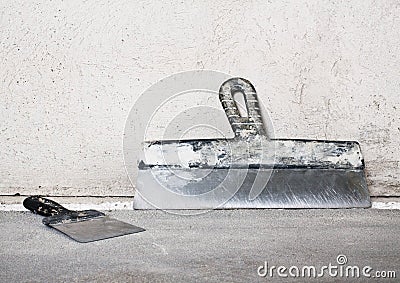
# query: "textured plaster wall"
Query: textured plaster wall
71,70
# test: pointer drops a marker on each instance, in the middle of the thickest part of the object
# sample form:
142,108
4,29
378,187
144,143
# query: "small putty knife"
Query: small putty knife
82,226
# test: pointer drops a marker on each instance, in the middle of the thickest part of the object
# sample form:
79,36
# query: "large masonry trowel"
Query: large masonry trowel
250,170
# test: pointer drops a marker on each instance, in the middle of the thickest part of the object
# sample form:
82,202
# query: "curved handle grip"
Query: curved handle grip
44,206
243,127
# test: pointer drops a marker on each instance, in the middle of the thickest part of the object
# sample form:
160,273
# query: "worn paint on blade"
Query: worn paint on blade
258,151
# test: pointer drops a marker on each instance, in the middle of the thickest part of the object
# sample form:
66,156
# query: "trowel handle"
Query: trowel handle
243,127
44,206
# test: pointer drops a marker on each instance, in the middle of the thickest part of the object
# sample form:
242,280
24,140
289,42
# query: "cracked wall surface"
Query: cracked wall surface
70,72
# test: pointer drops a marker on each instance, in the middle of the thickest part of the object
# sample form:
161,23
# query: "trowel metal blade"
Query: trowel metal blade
285,188
96,229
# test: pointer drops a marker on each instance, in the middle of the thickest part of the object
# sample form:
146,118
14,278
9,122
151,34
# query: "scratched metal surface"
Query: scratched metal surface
281,188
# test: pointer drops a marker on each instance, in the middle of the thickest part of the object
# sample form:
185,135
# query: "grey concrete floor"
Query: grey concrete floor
217,246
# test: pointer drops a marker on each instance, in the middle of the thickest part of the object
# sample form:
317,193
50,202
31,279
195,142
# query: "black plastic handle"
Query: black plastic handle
44,206
243,127
55,213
